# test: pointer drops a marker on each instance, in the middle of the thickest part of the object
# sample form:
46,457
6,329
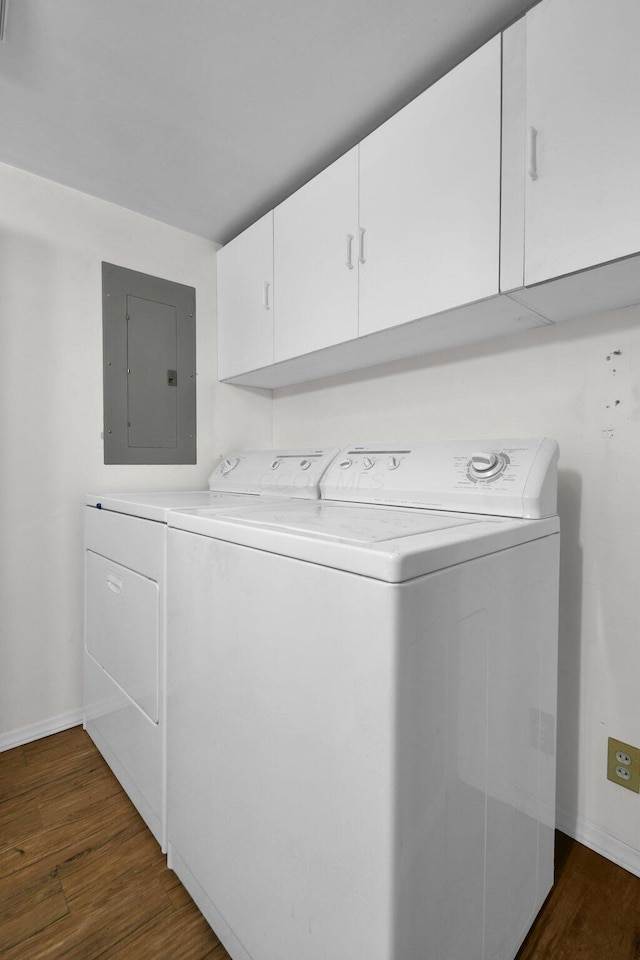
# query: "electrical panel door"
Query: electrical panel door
149,368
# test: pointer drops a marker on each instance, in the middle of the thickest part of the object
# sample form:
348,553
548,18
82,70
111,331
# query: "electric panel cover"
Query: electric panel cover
149,368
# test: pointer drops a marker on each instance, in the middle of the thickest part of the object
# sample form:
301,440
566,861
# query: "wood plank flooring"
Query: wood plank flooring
82,878
592,912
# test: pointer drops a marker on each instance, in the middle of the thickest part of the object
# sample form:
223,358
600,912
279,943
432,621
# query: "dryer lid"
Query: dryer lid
155,505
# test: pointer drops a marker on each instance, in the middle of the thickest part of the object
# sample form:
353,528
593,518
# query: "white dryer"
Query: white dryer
124,657
362,696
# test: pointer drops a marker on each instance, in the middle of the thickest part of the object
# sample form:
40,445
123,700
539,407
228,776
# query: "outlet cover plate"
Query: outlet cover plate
632,781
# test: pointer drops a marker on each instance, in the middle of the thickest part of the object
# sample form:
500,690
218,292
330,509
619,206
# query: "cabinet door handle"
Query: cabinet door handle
349,260
533,153
361,257
265,295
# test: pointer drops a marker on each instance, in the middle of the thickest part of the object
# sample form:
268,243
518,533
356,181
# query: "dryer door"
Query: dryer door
122,632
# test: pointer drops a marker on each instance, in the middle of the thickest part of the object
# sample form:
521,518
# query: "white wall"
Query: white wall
52,243
567,382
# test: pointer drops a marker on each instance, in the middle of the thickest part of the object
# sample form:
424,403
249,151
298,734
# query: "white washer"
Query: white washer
124,660
362,694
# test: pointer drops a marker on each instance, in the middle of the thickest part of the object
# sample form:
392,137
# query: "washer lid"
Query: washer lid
386,543
346,523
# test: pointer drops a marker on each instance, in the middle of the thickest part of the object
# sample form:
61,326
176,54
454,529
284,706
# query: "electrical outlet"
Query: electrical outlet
623,764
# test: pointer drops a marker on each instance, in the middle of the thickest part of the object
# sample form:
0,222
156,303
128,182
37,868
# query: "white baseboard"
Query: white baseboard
596,839
16,738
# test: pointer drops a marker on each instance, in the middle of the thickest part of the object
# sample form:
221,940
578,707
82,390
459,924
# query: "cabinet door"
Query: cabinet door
430,199
245,300
315,262
583,125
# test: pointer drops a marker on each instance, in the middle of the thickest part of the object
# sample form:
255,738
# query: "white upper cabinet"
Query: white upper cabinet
393,250
246,300
430,199
582,134
316,262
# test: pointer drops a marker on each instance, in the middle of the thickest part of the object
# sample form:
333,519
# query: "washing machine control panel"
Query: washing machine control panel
368,461
495,477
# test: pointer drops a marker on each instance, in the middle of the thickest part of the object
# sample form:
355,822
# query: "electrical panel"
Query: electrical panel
149,368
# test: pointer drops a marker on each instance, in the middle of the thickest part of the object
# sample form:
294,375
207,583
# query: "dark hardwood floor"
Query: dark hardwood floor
592,912
82,878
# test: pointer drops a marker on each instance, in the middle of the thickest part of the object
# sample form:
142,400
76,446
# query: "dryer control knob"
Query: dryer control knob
393,463
228,465
275,464
368,463
305,464
346,463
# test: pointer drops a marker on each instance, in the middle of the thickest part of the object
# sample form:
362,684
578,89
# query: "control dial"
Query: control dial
368,463
487,466
483,461
305,464
393,463
346,463
228,465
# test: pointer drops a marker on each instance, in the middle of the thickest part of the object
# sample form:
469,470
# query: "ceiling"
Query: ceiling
204,114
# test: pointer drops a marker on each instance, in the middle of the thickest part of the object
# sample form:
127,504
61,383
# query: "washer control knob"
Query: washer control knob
368,463
305,464
481,462
487,466
275,464
346,463
393,463
228,465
